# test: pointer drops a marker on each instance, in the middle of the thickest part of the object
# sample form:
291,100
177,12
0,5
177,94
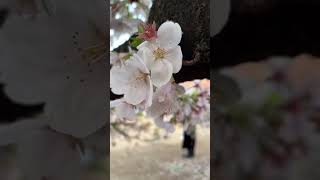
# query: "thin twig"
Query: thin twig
193,61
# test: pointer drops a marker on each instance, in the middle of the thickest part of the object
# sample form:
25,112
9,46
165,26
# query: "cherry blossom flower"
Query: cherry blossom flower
164,123
123,110
194,106
42,63
133,81
164,101
163,55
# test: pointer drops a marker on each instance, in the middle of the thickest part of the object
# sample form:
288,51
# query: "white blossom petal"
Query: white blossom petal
174,56
139,63
125,111
136,92
169,35
161,72
150,93
118,80
115,103
146,44
147,57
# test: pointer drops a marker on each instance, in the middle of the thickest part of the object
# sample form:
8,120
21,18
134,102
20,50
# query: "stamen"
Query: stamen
141,77
159,53
95,53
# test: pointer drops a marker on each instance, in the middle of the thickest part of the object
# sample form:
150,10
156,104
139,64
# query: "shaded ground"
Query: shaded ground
161,160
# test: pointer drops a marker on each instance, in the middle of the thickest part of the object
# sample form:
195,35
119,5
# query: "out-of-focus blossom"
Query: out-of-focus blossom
164,101
271,132
123,110
45,63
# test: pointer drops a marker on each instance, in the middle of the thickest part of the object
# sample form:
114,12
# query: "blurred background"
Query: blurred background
30,149
266,110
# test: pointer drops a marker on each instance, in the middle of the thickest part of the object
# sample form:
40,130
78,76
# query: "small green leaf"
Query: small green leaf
127,57
135,42
140,28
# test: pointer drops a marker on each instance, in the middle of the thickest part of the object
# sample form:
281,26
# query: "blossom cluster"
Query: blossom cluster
195,106
271,130
142,76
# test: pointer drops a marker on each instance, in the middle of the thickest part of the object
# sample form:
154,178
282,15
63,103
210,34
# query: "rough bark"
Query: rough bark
258,29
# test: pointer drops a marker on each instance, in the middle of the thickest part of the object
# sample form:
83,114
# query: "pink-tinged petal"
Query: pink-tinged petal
156,109
159,103
136,92
149,32
174,56
161,72
164,125
164,101
169,35
125,111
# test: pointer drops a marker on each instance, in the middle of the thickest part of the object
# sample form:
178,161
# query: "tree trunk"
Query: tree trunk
258,29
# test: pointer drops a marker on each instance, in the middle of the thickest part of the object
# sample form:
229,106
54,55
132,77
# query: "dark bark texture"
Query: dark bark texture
258,29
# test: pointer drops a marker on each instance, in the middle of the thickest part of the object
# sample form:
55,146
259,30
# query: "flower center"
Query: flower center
97,50
141,77
159,53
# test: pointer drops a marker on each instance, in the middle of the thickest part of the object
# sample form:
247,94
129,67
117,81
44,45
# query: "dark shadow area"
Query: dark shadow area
273,28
